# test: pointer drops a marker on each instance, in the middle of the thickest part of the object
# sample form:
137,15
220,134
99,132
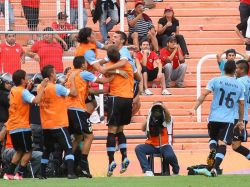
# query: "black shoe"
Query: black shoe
86,174
72,176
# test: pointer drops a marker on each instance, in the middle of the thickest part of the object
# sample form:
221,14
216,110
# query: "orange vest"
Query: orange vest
120,86
82,90
19,111
155,141
53,109
81,50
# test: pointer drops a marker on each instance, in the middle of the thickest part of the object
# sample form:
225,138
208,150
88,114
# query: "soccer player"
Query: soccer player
54,118
18,123
119,110
240,133
227,92
78,116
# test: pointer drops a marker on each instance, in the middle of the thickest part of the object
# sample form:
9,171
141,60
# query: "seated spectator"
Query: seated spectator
159,129
168,26
31,13
66,40
230,55
11,54
173,63
151,67
244,9
141,26
9,152
241,29
47,51
11,13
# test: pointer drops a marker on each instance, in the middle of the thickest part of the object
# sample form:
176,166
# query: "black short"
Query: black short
119,111
136,88
240,135
221,131
152,74
60,136
90,98
22,141
32,16
79,122
130,40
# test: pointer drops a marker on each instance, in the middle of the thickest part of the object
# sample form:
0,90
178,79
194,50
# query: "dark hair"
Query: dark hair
230,51
144,40
18,76
78,62
113,53
171,39
48,29
66,70
83,35
9,33
244,65
123,36
230,67
47,71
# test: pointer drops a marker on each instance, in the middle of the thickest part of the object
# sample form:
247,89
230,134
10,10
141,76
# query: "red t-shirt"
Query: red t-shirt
164,54
150,60
10,57
31,3
245,1
68,27
49,53
74,4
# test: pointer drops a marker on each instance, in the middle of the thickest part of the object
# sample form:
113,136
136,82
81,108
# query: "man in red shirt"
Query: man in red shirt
11,54
31,13
173,62
151,67
47,51
66,40
244,9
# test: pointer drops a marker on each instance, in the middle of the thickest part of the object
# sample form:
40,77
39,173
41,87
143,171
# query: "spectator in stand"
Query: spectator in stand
66,40
31,13
241,30
47,51
173,63
74,12
11,54
103,10
244,9
141,26
151,67
168,26
11,13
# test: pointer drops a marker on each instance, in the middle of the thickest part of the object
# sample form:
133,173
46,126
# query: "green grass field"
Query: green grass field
177,181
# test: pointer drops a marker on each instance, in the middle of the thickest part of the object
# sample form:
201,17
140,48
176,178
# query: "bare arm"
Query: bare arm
40,92
239,34
181,57
240,123
3,133
143,127
73,91
133,22
104,80
137,76
201,99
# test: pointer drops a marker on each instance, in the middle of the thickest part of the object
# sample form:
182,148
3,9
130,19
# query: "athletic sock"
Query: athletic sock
244,151
44,164
212,145
70,163
21,170
111,146
11,169
122,144
84,162
220,154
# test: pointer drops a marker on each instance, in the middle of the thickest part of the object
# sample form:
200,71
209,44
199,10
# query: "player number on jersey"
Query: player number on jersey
228,99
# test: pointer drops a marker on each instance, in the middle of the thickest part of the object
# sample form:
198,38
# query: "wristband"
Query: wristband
117,71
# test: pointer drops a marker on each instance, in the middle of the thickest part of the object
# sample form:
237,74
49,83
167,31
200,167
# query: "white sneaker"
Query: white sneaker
165,92
214,172
149,174
148,92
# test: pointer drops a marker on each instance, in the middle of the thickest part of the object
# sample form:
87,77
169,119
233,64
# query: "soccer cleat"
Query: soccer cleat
8,176
214,172
86,174
18,176
111,168
149,174
211,158
125,164
72,176
203,171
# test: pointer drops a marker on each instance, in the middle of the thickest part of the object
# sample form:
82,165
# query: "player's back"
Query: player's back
227,92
